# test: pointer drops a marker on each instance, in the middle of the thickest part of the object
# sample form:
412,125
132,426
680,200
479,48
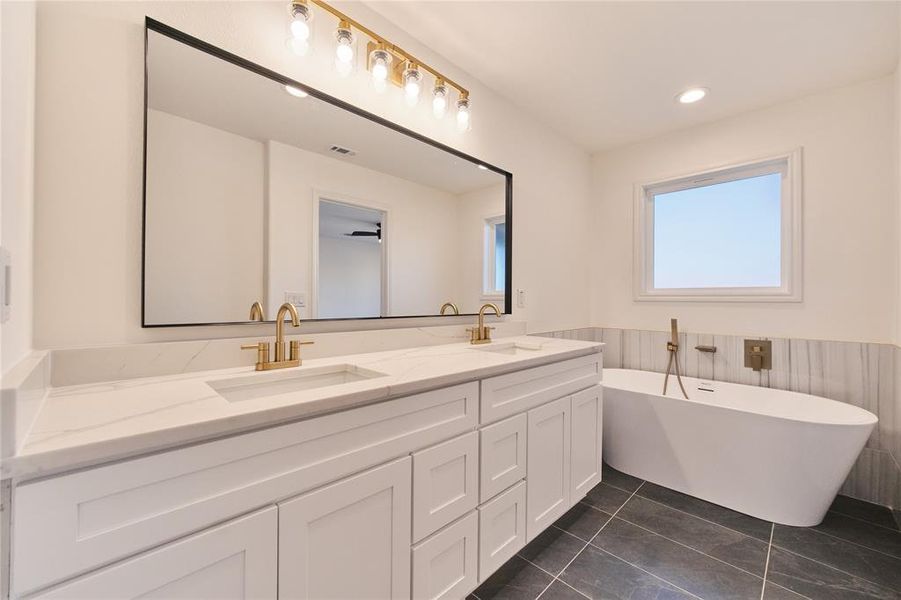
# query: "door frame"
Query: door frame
336,198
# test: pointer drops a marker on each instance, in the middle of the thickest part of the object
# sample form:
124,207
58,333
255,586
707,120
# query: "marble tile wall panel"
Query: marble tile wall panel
863,374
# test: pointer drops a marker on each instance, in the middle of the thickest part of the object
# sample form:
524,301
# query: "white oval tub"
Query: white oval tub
776,455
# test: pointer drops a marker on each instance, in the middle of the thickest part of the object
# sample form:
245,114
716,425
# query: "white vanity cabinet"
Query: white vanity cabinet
423,496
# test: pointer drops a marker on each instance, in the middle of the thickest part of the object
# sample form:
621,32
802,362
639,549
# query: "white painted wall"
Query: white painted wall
350,278
17,90
204,222
421,231
89,148
850,224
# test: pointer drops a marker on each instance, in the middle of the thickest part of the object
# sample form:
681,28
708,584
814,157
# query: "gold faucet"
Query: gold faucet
451,306
256,312
262,348
482,333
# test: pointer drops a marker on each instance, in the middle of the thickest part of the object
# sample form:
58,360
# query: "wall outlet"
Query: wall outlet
520,298
298,299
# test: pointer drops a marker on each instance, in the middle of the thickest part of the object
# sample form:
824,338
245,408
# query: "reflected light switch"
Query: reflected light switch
520,298
298,299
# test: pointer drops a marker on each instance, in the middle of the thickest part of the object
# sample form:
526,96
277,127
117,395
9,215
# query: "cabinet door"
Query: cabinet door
503,456
587,429
348,540
234,560
445,483
548,465
445,565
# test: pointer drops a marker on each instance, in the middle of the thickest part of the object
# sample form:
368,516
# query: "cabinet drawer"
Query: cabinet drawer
517,392
69,524
502,529
502,456
236,560
445,483
445,565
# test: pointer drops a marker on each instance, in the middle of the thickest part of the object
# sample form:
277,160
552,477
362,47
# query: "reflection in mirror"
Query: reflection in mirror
257,193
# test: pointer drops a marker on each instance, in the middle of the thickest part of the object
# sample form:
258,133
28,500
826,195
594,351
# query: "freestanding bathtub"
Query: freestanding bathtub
776,455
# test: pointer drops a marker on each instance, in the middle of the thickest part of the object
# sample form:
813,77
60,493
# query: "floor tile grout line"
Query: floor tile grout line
689,547
828,566
588,543
666,581
766,566
859,520
853,543
685,512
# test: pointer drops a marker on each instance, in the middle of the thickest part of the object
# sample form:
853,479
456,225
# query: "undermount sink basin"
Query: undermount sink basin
511,348
291,380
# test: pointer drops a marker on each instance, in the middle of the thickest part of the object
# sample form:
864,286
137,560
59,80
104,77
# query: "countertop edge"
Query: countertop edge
30,467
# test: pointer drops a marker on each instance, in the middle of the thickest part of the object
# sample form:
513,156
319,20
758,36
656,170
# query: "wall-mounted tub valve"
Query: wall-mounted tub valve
759,354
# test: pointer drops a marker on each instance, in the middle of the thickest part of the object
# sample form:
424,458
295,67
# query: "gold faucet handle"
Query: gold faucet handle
294,353
262,349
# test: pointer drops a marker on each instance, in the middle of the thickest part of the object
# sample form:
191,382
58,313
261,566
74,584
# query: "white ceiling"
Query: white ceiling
606,73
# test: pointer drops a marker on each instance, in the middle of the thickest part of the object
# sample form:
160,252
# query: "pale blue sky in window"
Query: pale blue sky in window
724,235
500,256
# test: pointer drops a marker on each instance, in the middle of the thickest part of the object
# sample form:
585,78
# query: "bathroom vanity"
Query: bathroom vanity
407,473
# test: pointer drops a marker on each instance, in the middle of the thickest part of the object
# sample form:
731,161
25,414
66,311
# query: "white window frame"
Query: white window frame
789,164
489,252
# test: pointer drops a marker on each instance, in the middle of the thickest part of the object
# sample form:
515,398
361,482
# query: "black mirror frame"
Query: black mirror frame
170,32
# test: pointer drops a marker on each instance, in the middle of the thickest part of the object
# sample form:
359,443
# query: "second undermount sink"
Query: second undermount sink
511,348
292,380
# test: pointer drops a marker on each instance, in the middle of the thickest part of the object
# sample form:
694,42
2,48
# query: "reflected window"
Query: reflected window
495,264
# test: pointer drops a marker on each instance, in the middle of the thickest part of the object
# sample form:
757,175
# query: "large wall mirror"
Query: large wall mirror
257,194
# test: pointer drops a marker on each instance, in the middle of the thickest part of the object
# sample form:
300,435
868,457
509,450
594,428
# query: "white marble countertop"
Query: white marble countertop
83,425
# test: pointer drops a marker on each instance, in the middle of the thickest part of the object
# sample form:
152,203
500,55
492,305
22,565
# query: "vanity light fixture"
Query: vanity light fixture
344,51
296,91
439,99
463,113
301,27
387,62
692,95
412,80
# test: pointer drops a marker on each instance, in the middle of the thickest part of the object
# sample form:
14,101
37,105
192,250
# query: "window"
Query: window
732,234
495,260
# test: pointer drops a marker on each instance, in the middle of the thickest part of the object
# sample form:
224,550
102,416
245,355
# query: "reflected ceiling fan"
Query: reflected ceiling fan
376,234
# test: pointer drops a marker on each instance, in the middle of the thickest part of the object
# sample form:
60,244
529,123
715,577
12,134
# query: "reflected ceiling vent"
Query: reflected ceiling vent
343,151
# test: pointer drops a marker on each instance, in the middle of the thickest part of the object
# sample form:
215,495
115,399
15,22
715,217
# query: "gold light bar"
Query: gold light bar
390,47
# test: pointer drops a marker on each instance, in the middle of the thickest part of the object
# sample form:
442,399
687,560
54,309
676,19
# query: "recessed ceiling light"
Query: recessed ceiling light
691,95
296,91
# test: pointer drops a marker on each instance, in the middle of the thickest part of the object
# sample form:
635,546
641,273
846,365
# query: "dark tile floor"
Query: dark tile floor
635,540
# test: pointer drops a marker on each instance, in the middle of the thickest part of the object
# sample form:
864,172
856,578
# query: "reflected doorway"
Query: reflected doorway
351,261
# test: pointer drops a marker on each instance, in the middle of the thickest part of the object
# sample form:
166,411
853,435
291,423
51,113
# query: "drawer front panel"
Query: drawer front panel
502,456
514,393
233,561
445,566
69,524
445,483
502,529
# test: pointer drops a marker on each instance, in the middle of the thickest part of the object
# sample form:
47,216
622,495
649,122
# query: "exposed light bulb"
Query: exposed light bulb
296,91
378,64
439,99
691,96
412,80
344,51
463,114
301,15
